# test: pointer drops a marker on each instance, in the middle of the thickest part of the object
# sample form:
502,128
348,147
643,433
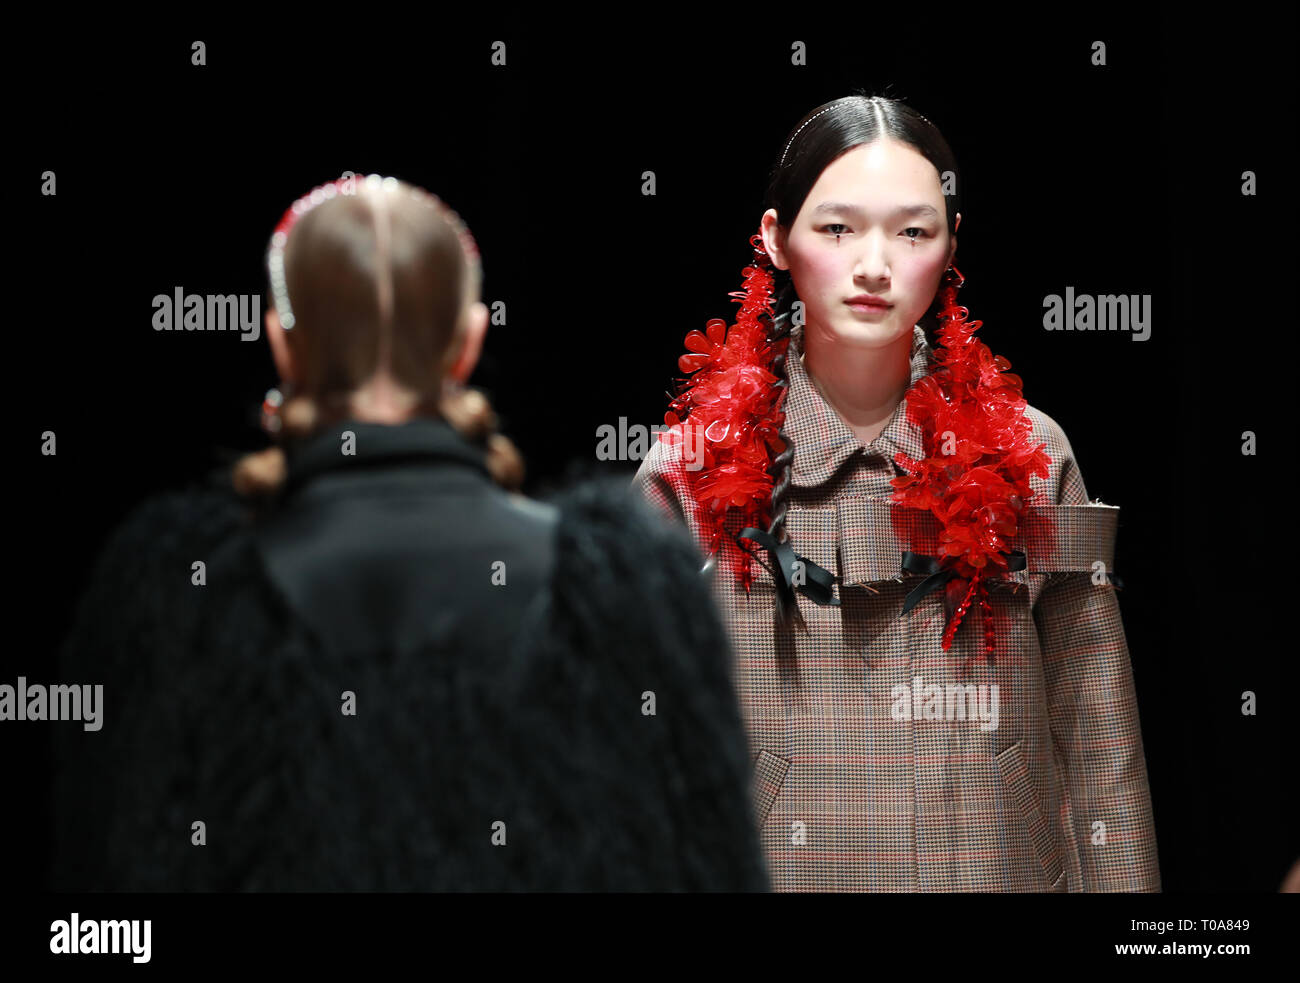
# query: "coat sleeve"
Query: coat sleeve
132,634
663,481
1093,711
653,744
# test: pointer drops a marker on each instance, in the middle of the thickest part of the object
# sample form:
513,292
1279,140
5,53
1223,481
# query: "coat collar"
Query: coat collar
423,439
822,440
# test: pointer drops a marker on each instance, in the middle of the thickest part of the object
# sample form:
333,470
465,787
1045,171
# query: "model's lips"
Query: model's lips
868,302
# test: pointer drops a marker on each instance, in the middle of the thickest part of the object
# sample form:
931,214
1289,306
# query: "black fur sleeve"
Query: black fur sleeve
629,706
132,632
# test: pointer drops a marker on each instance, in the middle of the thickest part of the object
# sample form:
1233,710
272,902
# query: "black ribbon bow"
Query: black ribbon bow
817,580
939,575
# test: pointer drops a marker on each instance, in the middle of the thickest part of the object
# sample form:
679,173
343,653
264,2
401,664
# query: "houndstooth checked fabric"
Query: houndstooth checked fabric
856,791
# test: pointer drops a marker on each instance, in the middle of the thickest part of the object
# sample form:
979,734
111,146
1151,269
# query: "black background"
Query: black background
1117,179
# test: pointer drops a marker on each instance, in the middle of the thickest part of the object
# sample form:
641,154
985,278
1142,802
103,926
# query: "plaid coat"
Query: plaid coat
869,778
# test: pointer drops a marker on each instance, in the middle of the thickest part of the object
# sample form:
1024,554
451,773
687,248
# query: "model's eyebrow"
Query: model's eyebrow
844,208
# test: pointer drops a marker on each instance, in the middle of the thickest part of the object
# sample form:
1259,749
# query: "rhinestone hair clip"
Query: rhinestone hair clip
348,184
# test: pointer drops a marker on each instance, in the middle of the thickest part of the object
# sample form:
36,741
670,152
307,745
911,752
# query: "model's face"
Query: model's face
886,204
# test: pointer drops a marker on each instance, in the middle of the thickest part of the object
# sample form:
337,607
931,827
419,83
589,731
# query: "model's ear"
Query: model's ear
774,240
280,352
466,358
952,249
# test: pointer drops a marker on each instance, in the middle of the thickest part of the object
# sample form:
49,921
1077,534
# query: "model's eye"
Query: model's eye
920,232
833,226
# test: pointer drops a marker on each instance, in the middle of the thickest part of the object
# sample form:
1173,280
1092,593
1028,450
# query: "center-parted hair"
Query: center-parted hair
379,282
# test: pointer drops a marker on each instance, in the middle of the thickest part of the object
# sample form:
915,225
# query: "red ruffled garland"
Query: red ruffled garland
980,456
968,404
734,410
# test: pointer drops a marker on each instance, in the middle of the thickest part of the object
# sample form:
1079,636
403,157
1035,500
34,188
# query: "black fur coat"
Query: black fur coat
476,759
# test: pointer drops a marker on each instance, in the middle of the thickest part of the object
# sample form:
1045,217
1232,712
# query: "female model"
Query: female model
928,647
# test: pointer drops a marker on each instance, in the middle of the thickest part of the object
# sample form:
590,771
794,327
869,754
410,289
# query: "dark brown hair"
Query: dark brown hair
378,286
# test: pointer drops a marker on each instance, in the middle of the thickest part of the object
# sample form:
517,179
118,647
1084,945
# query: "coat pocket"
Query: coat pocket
1020,785
769,776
